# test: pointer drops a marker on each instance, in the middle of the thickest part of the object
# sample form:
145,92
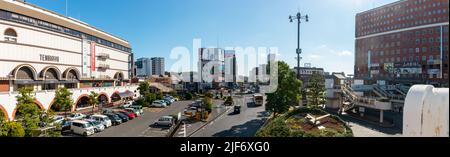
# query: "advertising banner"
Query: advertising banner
93,56
84,59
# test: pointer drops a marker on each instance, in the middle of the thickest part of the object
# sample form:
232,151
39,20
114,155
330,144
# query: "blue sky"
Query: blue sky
155,27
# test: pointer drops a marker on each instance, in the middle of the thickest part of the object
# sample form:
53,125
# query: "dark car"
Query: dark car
65,125
237,109
122,116
115,119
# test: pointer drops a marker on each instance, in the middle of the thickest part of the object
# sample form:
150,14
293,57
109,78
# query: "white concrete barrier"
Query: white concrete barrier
426,112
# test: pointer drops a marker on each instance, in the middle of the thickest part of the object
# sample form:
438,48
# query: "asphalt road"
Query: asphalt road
244,124
142,126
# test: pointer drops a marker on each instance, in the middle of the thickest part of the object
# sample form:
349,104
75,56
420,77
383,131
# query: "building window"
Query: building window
424,58
10,35
417,50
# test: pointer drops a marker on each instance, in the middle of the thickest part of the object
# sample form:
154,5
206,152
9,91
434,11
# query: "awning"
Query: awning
126,94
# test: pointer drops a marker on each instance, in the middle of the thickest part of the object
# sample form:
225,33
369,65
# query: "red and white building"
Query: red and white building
404,42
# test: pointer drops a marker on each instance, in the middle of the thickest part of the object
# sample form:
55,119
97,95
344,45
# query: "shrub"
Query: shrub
12,129
139,102
276,128
189,96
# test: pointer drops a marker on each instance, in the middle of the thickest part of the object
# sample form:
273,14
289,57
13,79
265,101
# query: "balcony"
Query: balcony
103,56
103,66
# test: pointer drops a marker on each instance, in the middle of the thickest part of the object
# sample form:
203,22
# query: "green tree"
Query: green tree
63,100
189,96
28,112
150,97
229,101
316,90
144,88
11,129
159,95
276,128
93,100
207,104
288,92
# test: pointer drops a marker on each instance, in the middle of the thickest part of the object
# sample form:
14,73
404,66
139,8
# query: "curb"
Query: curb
204,125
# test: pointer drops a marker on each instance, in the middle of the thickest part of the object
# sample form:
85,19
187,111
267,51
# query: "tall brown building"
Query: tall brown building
404,42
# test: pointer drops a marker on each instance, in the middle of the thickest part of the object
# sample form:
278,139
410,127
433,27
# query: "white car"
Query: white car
82,128
165,121
57,120
159,103
98,126
103,119
76,116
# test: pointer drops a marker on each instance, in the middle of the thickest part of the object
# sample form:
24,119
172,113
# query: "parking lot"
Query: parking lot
141,126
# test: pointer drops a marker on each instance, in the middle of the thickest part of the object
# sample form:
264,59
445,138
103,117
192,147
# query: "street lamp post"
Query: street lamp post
298,17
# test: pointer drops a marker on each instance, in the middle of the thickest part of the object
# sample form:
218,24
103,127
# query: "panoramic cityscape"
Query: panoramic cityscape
379,71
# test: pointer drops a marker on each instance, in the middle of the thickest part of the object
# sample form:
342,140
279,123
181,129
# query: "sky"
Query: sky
155,27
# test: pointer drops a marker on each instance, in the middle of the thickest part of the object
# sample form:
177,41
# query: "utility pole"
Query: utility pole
298,17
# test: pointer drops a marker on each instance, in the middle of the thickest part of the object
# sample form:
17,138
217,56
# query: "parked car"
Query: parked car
76,116
165,121
127,104
82,128
170,98
57,120
167,101
196,103
237,109
98,126
130,115
139,108
122,116
115,119
135,111
159,103
65,125
103,119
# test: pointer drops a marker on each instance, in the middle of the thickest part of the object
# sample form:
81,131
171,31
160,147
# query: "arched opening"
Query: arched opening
10,35
51,76
82,102
115,97
72,78
118,77
103,100
3,115
25,76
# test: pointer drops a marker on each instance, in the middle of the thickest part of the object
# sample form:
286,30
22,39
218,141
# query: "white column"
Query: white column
381,116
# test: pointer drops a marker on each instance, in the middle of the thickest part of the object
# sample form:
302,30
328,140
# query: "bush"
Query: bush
229,101
139,102
276,128
12,129
209,95
189,96
207,104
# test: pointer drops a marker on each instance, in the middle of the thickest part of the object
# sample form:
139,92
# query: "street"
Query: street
244,124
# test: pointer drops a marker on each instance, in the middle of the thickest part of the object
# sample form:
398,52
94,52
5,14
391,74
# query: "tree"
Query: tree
150,97
229,101
144,88
189,96
63,100
207,104
28,112
316,90
11,129
159,95
288,92
93,100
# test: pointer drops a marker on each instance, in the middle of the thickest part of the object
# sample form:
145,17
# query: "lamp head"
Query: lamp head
307,19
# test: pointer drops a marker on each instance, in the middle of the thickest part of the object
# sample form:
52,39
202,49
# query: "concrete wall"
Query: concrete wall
45,98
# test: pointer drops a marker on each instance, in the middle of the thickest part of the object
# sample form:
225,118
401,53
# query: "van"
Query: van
82,128
103,119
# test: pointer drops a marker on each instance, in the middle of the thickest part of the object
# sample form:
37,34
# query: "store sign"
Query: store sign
389,67
93,56
434,71
410,70
84,58
48,58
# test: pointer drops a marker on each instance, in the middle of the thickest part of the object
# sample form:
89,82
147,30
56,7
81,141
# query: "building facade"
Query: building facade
143,67
211,67
403,42
44,50
158,66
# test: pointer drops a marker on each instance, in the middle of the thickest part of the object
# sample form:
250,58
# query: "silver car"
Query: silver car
165,121
98,126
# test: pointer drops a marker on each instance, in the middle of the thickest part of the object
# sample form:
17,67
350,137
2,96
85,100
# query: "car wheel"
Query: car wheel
85,134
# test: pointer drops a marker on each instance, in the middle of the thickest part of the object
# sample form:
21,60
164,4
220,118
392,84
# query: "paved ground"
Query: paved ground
244,124
142,126
364,129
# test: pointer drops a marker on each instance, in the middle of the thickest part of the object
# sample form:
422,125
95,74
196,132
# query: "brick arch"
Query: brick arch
2,109
106,95
37,102
78,99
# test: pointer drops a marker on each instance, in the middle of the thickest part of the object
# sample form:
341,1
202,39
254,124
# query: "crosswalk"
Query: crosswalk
183,131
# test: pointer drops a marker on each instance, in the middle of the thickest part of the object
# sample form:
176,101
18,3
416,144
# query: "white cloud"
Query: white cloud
315,56
344,53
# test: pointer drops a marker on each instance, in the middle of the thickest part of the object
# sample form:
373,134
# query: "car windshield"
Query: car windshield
86,125
95,122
